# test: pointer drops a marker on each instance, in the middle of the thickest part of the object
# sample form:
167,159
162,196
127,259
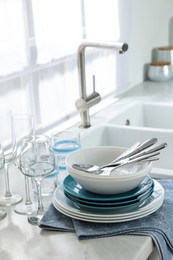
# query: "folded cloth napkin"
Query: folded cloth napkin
158,225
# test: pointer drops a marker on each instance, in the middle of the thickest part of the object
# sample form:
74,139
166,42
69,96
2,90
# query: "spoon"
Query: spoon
127,152
147,153
130,151
94,169
151,149
134,149
110,170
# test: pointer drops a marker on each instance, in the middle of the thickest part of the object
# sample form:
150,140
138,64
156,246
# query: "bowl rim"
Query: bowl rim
124,177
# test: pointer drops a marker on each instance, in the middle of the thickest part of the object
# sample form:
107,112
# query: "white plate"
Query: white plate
100,217
109,220
68,208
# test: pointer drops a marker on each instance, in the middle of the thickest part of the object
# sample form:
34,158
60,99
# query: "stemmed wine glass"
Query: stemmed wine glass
22,125
8,199
37,161
3,212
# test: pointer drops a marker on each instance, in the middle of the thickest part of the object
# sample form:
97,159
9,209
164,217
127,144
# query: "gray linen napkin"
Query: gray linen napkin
159,225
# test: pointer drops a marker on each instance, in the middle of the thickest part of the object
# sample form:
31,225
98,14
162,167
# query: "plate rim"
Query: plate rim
63,202
111,207
109,220
105,198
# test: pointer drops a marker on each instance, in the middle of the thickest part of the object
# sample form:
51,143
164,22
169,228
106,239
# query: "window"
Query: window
38,64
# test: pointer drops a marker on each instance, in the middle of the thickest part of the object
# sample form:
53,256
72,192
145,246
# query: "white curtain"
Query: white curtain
38,45
13,56
58,28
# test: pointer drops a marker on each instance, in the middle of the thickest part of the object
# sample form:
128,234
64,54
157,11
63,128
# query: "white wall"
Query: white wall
150,29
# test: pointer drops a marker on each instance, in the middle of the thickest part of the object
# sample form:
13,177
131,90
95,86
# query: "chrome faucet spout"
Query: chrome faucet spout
120,46
85,102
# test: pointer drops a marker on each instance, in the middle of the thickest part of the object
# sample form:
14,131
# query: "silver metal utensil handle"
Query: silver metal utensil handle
107,173
126,161
138,149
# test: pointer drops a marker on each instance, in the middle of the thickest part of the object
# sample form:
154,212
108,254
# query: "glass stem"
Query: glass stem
7,182
27,191
40,209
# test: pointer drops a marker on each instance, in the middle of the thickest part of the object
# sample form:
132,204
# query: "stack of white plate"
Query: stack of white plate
74,201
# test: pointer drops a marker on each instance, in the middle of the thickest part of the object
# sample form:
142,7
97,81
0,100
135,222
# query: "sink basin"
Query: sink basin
138,122
148,115
125,136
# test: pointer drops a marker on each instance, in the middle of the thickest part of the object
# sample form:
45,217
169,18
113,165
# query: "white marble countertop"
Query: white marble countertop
21,241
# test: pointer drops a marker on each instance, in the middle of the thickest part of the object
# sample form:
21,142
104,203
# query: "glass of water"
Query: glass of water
63,143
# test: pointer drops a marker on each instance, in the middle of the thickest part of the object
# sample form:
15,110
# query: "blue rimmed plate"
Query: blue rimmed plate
108,206
110,203
74,189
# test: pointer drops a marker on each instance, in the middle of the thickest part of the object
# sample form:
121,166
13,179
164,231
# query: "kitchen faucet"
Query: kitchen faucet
85,102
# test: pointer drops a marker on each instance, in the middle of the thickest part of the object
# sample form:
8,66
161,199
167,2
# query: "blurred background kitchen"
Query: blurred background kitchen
38,46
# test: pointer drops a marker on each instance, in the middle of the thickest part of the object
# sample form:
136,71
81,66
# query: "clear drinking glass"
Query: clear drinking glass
37,161
63,143
22,125
3,212
6,141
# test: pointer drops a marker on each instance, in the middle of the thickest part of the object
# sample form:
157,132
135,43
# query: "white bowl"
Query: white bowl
125,178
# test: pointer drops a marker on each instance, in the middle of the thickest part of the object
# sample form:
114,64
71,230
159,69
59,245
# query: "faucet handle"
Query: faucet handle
94,84
83,105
